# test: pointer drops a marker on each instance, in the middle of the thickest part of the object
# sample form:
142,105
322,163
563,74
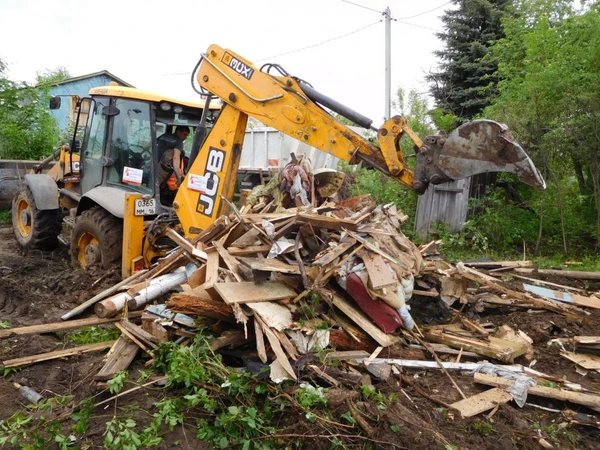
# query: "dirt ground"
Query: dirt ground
40,287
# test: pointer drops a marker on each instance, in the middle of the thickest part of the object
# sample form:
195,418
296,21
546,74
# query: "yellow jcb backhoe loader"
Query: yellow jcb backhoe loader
119,156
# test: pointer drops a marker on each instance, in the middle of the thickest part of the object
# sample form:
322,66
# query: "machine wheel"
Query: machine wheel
97,238
34,228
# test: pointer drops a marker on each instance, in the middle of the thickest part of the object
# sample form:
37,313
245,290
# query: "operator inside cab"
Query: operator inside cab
171,158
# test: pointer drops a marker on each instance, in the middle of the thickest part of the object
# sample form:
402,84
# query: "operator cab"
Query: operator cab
119,149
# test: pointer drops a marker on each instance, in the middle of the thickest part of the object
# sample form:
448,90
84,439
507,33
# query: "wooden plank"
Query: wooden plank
185,244
250,250
580,398
118,358
62,326
500,264
274,315
586,340
374,248
230,261
276,347
139,332
26,360
333,253
247,291
133,337
198,277
260,342
589,362
482,402
561,296
496,348
580,275
331,223
248,239
363,321
269,265
380,274
345,355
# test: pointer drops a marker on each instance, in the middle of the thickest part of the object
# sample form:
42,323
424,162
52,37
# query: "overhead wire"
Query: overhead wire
320,43
399,19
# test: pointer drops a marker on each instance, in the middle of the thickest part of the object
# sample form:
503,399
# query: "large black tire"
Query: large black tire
96,239
34,228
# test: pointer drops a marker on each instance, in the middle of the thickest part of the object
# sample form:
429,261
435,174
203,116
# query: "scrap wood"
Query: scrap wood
189,303
503,264
26,360
588,362
492,347
362,321
551,305
566,297
507,333
274,315
133,337
585,399
250,250
380,274
250,238
260,342
186,245
482,402
276,347
470,325
431,293
374,248
230,261
62,326
580,275
140,333
269,265
120,356
248,291
330,254
425,248
586,340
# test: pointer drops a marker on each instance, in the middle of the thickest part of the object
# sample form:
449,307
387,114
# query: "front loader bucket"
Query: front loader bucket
484,146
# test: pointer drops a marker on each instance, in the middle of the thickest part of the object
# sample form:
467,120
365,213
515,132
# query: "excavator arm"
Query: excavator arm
295,108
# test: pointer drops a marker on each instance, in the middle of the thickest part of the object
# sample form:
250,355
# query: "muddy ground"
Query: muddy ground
40,287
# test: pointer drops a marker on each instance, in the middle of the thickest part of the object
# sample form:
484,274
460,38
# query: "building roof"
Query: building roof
94,74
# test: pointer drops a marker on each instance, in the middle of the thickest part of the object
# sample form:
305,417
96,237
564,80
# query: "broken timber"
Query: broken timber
26,360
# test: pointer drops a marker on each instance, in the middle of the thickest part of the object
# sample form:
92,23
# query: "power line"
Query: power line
362,6
398,18
418,26
423,13
320,43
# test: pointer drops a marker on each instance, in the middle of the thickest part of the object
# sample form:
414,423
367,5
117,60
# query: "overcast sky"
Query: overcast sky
335,45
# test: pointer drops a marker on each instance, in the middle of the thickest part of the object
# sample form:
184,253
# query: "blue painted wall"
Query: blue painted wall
76,87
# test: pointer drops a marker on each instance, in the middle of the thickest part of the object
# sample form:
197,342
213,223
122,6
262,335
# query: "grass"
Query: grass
93,335
5,217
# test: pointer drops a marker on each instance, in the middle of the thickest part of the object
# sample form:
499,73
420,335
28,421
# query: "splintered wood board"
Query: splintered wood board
380,274
247,291
484,401
119,358
269,265
589,362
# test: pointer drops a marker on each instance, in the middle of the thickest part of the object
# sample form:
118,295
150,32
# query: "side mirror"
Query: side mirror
55,102
110,110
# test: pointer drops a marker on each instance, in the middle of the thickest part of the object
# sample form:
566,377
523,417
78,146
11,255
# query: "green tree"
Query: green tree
50,77
466,81
27,130
549,93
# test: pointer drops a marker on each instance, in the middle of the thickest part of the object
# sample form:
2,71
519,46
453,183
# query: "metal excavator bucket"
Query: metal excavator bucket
475,147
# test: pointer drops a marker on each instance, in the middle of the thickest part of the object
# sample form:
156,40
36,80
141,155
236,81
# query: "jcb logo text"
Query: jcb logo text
214,164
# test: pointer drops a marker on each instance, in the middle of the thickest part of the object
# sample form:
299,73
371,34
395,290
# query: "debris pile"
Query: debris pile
278,287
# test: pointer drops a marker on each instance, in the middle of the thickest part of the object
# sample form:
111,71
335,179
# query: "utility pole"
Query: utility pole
388,62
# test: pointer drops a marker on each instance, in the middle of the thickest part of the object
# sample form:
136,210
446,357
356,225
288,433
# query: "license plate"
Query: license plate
145,207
